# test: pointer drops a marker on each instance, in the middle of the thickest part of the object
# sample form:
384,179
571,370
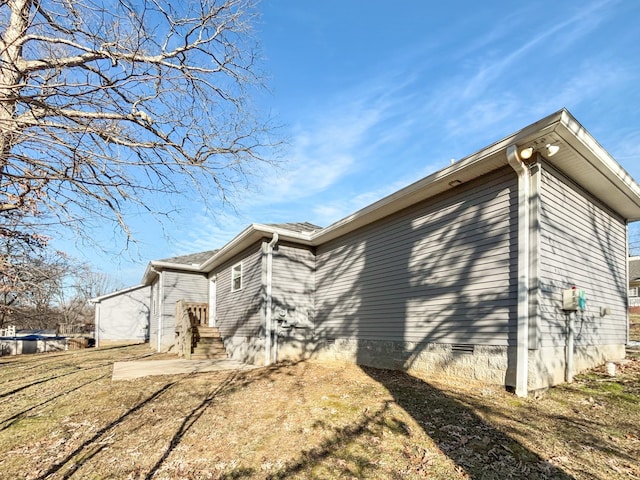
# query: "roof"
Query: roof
580,157
196,262
116,293
190,259
296,227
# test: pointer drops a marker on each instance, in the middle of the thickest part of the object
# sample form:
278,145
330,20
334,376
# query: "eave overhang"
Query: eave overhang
251,235
580,157
116,293
156,266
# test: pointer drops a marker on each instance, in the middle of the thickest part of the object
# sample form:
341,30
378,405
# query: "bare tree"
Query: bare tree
40,288
31,278
81,285
106,104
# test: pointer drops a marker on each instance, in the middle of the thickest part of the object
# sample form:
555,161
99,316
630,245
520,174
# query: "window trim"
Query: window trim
234,275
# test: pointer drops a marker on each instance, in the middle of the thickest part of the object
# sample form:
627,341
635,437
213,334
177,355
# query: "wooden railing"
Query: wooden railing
188,316
68,329
198,313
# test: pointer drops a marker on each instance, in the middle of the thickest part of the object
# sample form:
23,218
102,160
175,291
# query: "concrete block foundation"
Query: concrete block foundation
478,362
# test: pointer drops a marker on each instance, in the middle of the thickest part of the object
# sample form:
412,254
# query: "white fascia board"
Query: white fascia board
175,266
149,274
559,126
624,198
116,293
250,235
618,190
155,265
486,160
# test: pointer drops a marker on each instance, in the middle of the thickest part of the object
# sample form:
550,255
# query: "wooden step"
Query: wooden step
208,332
209,344
209,341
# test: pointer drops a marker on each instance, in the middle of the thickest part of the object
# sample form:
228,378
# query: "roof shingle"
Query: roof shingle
192,258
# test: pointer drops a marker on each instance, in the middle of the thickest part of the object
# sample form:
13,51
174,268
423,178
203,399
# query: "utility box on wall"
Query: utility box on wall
574,299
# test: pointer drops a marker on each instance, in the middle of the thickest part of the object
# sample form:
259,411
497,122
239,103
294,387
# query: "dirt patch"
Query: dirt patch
63,417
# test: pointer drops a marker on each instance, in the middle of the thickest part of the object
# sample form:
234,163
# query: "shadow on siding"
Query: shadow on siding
443,273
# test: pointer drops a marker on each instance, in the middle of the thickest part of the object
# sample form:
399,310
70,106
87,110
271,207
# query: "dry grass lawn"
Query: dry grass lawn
62,417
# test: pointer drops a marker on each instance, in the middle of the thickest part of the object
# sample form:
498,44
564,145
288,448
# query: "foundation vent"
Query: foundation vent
461,348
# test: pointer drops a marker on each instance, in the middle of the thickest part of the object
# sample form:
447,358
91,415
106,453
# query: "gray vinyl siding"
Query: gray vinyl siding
293,284
583,244
239,313
191,287
443,271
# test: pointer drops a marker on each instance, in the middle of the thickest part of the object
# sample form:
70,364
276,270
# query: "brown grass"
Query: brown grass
62,417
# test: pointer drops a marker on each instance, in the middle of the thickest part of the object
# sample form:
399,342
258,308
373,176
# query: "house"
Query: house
634,285
122,317
172,280
508,266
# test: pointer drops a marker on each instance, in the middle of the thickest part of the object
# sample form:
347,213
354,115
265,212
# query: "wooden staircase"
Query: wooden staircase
207,344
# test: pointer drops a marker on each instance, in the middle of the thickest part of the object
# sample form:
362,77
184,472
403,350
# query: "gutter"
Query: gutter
268,318
524,255
250,235
622,192
154,267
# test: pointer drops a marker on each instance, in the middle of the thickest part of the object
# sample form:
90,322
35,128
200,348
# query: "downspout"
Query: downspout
626,282
160,308
96,325
524,252
268,318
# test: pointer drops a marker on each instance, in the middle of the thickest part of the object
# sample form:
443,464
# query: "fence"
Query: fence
65,329
77,343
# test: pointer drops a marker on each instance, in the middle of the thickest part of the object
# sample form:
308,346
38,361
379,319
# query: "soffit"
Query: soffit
580,157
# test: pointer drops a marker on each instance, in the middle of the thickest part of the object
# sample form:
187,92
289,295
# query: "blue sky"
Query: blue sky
373,95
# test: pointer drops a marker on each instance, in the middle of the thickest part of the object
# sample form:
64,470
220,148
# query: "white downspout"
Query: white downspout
160,307
96,325
626,282
524,222
213,280
268,318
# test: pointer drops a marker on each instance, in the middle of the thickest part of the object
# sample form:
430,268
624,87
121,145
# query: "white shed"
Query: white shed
123,316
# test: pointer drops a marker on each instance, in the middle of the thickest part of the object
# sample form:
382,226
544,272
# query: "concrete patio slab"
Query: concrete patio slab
145,368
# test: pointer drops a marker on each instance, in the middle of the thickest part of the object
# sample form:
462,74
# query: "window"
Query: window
633,292
236,277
